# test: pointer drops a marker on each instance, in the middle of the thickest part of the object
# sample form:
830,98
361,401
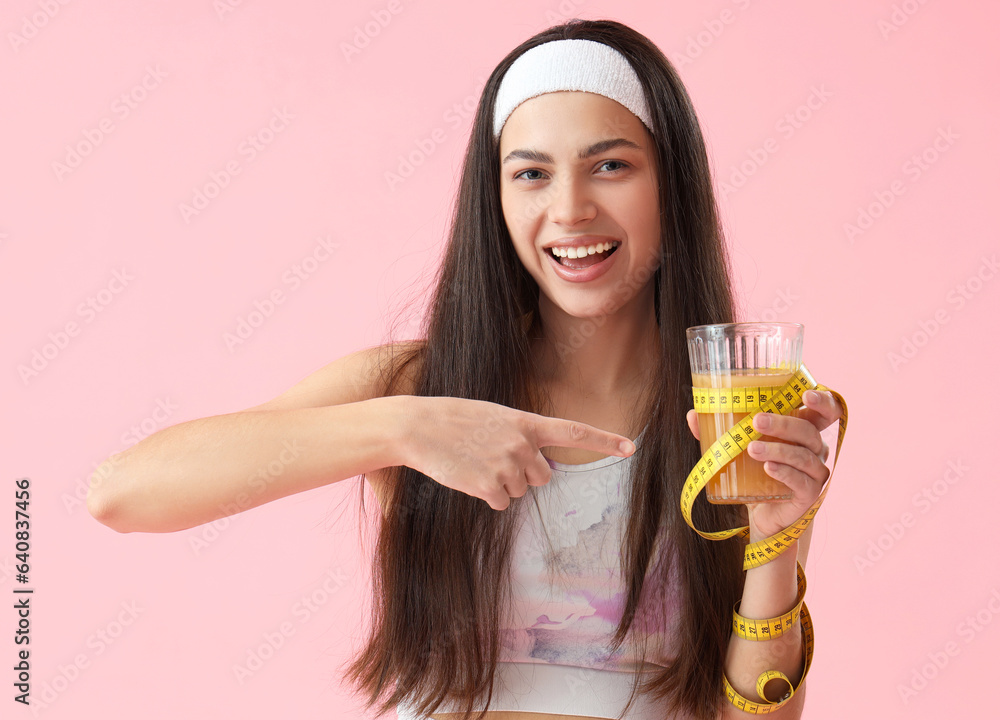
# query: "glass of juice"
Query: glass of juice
743,364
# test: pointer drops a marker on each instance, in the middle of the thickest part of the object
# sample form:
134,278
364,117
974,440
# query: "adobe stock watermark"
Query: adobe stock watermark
623,290
32,24
787,125
121,107
912,170
563,12
87,310
937,660
218,180
586,506
43,696
899,16
303,610
959,296
470,446
292,279
782,303
422,500
451,120
580,679
713,29
540,201
541,197
364,34
136,432
447,636
223,8
923,501
202,537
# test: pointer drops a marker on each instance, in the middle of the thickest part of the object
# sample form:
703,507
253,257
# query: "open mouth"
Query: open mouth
602,252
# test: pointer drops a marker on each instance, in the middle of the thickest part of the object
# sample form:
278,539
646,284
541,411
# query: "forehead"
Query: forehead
570,118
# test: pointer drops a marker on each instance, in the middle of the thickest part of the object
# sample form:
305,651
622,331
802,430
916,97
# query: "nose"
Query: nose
570,201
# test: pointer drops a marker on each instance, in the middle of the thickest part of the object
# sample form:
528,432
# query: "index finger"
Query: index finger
557,432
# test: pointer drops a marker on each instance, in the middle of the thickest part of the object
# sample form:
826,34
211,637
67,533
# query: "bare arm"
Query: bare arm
204,469
319,433
770,591
799,461
333,425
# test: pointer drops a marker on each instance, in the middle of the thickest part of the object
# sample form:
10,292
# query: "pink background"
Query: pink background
903,555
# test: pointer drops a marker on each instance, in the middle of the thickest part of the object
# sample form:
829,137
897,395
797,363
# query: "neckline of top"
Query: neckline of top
594,464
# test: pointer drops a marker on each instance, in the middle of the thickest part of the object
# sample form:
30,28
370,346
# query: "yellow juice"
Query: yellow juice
742,480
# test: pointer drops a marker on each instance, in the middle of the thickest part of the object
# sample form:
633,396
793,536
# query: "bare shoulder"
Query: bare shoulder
361,375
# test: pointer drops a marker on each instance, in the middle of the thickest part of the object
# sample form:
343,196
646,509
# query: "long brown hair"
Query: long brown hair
441,564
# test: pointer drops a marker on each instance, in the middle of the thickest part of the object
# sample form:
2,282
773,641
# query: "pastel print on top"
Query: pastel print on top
567,615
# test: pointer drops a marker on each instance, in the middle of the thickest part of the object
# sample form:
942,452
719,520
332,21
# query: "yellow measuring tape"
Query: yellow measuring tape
753,400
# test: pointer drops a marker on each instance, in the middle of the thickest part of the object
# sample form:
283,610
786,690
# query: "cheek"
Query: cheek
640,210
520,231
508,206
518,212
520,221
643,218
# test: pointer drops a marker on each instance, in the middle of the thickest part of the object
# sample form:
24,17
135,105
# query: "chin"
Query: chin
597,310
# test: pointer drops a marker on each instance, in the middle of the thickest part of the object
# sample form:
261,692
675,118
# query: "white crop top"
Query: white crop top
555,657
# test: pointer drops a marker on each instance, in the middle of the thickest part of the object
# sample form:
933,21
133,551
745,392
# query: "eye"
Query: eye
616,166
614,162
529,170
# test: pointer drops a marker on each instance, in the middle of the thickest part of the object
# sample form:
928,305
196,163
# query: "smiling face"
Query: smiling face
577,171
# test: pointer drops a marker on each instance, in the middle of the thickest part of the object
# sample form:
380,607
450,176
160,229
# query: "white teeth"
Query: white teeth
572,252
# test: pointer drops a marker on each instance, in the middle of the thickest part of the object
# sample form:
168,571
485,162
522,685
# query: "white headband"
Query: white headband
584,65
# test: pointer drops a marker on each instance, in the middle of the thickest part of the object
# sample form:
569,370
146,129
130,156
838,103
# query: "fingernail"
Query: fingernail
762,421
811,396
756,447
627,446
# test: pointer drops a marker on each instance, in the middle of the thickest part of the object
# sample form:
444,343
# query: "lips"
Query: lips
584,274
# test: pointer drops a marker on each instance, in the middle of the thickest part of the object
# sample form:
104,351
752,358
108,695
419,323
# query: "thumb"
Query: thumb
692,420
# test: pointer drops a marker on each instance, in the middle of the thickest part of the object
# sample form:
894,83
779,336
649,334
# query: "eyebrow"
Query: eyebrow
596,148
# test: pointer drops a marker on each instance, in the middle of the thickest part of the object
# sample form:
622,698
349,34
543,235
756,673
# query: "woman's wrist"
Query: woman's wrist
771,589
393,415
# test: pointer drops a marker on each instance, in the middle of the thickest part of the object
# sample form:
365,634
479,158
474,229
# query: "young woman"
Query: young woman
531,560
